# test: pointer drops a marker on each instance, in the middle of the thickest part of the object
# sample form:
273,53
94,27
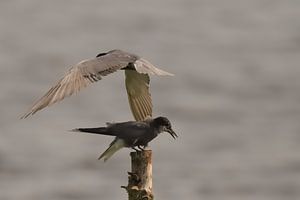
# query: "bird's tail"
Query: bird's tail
99,130
116,145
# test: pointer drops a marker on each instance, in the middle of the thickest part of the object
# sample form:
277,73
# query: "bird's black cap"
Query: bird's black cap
101,54
166,124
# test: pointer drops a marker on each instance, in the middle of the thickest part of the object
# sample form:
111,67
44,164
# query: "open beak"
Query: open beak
172,133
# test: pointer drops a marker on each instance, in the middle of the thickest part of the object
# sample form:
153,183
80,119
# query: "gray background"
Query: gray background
234,100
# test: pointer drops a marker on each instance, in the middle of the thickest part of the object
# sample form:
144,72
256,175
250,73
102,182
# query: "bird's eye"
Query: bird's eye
101,54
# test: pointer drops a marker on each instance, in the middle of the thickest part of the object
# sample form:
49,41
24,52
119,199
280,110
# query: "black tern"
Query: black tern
137,71
131,134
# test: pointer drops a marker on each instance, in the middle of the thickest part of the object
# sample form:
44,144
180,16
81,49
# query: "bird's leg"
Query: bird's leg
137,150
140,147
145,146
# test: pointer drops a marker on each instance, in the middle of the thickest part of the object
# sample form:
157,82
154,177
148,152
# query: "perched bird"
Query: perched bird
137,71
131,134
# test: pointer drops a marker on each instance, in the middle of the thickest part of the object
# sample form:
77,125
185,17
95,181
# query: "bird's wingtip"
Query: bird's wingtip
104,158
165,73
75,130
24,116
170,74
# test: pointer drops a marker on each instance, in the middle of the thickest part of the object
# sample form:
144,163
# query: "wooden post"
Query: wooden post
140,178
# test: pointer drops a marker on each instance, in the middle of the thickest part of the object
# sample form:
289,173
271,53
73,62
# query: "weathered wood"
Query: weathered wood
140,178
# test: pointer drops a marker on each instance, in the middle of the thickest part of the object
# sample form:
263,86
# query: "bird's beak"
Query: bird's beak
172,133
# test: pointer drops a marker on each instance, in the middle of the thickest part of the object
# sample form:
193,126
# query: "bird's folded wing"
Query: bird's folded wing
137,86
129,130
80,76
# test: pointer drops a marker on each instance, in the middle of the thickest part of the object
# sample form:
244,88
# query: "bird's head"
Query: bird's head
109,52
101,54
165,125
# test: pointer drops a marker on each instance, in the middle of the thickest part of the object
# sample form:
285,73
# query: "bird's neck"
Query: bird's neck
157,128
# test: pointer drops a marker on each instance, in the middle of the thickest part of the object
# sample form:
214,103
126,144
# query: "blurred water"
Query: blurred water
234,100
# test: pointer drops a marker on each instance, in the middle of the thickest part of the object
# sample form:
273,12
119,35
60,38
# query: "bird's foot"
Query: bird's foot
140,147
137,150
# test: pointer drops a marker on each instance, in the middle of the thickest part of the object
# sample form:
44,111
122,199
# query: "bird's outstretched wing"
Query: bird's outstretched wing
139,97
81,75
137,85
